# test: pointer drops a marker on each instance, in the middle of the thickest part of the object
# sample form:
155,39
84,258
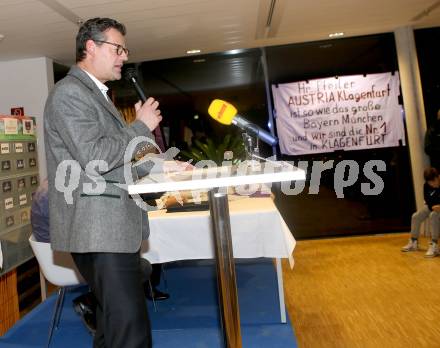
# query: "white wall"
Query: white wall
27,83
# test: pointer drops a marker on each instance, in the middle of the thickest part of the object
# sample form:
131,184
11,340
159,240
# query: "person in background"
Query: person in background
40,214
432,142
431,211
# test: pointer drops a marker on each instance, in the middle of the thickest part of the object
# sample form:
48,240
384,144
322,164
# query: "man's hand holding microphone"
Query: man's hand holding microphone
148,113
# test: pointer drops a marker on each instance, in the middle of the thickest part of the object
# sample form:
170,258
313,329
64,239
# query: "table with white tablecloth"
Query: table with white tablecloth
258,230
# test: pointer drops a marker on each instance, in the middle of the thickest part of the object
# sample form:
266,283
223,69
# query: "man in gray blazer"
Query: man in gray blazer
91,216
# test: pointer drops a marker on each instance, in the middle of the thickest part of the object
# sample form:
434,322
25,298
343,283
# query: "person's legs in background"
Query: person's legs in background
146,270
416,221
155,281
434,219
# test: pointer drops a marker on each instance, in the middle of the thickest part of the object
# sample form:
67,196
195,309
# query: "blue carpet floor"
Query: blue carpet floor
190,318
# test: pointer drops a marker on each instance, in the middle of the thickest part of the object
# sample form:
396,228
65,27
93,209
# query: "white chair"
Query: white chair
60,270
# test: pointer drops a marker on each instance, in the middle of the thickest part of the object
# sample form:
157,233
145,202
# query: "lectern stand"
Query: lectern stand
213,179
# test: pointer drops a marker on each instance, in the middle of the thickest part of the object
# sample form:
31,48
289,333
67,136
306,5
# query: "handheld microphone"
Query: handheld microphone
226,113
131,75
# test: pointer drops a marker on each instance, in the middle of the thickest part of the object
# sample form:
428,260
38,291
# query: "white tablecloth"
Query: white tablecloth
258,230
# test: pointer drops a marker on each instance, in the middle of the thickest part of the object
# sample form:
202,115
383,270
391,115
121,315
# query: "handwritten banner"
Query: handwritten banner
344,113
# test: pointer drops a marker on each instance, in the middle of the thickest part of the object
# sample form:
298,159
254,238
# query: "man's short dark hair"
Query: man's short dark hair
430,174
93,29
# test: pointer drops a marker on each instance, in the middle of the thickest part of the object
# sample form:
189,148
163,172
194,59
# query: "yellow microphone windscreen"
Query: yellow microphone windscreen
222,111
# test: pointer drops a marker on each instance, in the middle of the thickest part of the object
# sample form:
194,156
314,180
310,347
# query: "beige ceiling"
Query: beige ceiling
160,29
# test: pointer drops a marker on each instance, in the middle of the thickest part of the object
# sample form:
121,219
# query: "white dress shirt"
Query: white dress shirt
103,88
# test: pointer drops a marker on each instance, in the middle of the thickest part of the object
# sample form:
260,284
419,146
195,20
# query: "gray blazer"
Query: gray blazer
81,125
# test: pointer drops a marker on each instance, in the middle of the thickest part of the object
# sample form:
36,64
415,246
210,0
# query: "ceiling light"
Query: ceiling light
336,34
196,117
193,51
234,51
1,37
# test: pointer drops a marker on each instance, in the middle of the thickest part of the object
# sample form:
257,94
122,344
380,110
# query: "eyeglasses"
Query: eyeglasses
119,48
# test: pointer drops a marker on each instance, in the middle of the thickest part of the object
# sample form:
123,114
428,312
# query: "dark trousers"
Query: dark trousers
121,313
155,274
